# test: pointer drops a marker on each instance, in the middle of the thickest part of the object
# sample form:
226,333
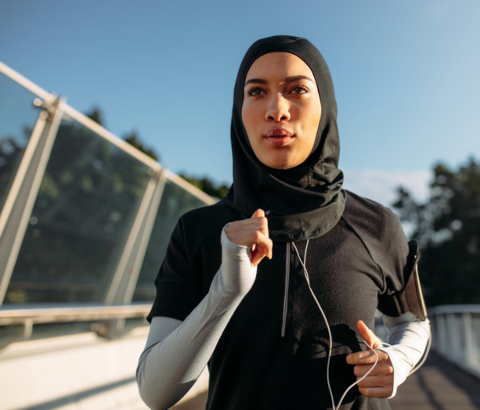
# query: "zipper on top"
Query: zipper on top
287,281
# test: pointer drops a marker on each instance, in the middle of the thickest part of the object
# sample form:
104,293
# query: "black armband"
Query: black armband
410,298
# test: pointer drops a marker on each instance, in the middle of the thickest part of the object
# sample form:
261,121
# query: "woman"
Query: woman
286,331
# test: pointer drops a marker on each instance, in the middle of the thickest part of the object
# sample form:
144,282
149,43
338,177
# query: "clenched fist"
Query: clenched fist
252,232
379,382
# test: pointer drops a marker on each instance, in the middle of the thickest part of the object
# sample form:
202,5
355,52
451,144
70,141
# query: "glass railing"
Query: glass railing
175,202
88,198
93,221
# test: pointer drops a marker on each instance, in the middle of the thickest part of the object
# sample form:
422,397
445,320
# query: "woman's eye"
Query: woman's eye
299,90
255,91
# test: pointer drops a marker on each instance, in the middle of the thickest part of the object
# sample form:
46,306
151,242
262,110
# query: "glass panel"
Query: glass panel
174,203
84,211
17,119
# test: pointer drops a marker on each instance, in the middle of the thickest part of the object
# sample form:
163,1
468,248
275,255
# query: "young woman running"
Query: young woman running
275,287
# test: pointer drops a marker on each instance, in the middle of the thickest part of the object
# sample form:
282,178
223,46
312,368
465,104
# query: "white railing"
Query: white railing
456,335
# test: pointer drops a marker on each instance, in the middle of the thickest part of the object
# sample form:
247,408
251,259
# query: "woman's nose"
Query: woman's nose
278,109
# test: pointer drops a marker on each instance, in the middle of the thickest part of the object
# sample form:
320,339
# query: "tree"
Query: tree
204,183
207,185
448,229
133,139
96,115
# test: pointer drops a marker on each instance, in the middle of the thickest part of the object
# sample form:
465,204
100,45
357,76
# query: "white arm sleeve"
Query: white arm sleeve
177,352
408,337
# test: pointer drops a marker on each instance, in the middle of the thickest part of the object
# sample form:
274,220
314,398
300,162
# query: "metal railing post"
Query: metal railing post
126,275
471,353
21,198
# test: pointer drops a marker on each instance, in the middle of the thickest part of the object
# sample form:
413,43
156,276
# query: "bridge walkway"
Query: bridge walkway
438,385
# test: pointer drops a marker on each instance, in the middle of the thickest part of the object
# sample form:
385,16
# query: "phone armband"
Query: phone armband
410,298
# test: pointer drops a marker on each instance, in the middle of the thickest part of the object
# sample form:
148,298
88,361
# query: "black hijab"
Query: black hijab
304,201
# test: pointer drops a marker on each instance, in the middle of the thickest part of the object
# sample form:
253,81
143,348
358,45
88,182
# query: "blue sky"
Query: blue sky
406,74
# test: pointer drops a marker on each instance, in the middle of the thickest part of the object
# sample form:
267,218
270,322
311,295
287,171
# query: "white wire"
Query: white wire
410,361
330,335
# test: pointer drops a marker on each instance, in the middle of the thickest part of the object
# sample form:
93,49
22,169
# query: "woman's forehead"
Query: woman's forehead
278,64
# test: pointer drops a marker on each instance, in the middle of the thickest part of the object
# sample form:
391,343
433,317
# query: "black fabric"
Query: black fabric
304,201
362,258
357,254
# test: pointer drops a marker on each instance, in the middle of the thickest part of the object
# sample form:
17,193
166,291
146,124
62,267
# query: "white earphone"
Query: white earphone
330,336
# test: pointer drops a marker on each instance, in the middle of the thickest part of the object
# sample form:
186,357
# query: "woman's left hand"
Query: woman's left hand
379,383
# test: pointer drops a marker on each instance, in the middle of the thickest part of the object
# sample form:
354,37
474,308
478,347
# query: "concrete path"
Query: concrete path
438,385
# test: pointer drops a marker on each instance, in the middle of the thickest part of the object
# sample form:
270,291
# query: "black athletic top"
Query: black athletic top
360,261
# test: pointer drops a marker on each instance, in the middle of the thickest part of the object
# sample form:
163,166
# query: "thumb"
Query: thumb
368,335
258,213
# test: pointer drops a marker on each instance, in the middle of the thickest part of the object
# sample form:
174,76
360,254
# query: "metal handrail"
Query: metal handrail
454,334
35,314
454,309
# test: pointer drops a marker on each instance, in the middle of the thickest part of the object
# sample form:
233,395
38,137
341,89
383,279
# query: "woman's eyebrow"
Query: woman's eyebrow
287,80
297,77
256,81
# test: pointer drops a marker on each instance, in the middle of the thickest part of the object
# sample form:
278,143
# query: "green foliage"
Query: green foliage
133,139
96,115
49,187
448,229
207,185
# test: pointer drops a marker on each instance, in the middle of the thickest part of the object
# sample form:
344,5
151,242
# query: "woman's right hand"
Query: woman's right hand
252,232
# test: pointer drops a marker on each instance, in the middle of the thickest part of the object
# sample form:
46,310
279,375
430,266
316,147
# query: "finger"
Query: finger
263,247
262,221
264,229
258,213
245,224
262,225
263,241
244,234
368,335
258,254
376,381
254,221
366,357
379,369
262,238
379,392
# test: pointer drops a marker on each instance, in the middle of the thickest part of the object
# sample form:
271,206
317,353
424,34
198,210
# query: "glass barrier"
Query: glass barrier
17,120
84,211
174,203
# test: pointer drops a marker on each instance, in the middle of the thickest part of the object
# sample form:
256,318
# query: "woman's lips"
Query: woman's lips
279,137
280,140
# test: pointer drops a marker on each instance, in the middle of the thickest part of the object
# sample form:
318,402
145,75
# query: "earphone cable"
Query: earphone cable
324,318
307,278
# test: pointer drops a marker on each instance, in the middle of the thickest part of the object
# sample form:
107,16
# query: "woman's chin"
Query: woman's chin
281,164
284,158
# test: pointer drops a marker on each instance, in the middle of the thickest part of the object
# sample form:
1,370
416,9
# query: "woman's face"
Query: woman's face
281,109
